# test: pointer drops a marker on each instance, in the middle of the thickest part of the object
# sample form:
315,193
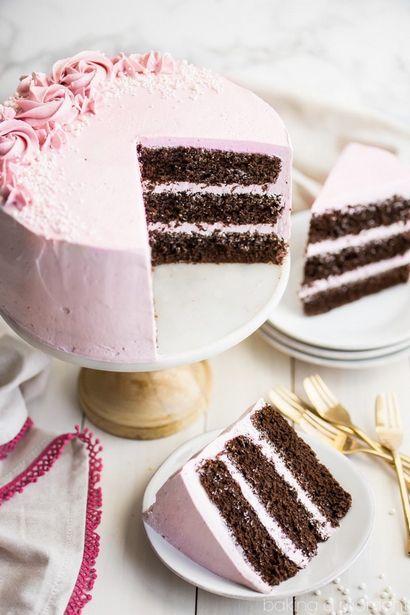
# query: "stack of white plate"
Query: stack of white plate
372,331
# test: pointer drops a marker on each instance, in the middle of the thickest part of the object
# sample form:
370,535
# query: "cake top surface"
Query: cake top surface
68,140
363,174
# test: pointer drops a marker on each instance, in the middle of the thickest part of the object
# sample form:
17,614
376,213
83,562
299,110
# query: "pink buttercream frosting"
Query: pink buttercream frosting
7,113
46,104
151,62
83,74
18,141
27,82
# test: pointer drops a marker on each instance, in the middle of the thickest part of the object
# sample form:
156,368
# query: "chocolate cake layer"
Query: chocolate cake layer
322,302
190,164
353,219
301,460
217,247
249,533
208,207
279,499
323,265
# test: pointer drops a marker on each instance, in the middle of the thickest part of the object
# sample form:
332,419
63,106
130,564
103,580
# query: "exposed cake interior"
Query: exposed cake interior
256,501
214,205
359,235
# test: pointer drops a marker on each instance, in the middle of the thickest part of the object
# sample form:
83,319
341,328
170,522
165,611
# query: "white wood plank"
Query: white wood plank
241,376
131,579
385,552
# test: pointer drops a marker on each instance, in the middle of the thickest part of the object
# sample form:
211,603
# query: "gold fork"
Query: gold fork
390,431
330,409
301,413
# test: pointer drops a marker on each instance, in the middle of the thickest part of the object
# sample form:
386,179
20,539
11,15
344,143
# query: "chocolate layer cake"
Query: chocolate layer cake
253,505
213,205
110,165
359,235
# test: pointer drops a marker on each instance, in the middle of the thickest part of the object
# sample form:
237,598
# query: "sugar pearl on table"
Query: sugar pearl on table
336,581
361,586
318,592
392,511
361,602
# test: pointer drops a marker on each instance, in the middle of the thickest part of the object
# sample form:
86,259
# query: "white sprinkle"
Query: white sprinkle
392,511
361,602
381,575
329,601
388,604
318,592
362,586
345,591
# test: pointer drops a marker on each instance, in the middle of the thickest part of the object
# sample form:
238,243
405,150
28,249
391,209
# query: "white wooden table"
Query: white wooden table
131,580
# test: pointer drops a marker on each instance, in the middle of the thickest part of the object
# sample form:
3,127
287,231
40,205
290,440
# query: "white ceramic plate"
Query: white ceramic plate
201,311
375,321
337,363
327,353
333,558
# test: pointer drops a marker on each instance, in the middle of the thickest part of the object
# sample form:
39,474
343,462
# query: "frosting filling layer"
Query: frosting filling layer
361,273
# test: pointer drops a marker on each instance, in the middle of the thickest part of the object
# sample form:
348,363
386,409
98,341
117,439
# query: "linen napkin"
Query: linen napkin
49,499
321,119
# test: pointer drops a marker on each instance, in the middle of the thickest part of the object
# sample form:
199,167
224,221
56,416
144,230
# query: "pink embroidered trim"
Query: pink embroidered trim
6,449
88,574
40,466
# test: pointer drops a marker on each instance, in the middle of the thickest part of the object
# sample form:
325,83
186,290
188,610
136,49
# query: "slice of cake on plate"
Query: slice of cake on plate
359,235
253,504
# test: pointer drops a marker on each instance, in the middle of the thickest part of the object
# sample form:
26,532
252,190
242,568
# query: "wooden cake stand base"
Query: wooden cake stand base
145,405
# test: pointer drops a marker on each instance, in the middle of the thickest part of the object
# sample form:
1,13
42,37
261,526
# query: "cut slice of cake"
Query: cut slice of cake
359,235
253,505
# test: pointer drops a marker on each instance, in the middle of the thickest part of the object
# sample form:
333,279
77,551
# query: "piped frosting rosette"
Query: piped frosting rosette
45,105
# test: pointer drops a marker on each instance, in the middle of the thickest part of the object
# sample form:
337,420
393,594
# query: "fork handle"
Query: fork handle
403,493
378,448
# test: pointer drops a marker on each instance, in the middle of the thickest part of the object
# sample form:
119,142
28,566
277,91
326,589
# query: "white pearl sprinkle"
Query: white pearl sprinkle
361,602
392,511
381,575
388,604
361,586
336,581
318,592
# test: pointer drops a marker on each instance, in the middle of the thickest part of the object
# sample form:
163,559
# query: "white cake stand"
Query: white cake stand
201,311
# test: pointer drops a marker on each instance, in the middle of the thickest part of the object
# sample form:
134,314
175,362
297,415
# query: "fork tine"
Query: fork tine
291,398
380,410
297,404
314,395
395,418
326,393
396,411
